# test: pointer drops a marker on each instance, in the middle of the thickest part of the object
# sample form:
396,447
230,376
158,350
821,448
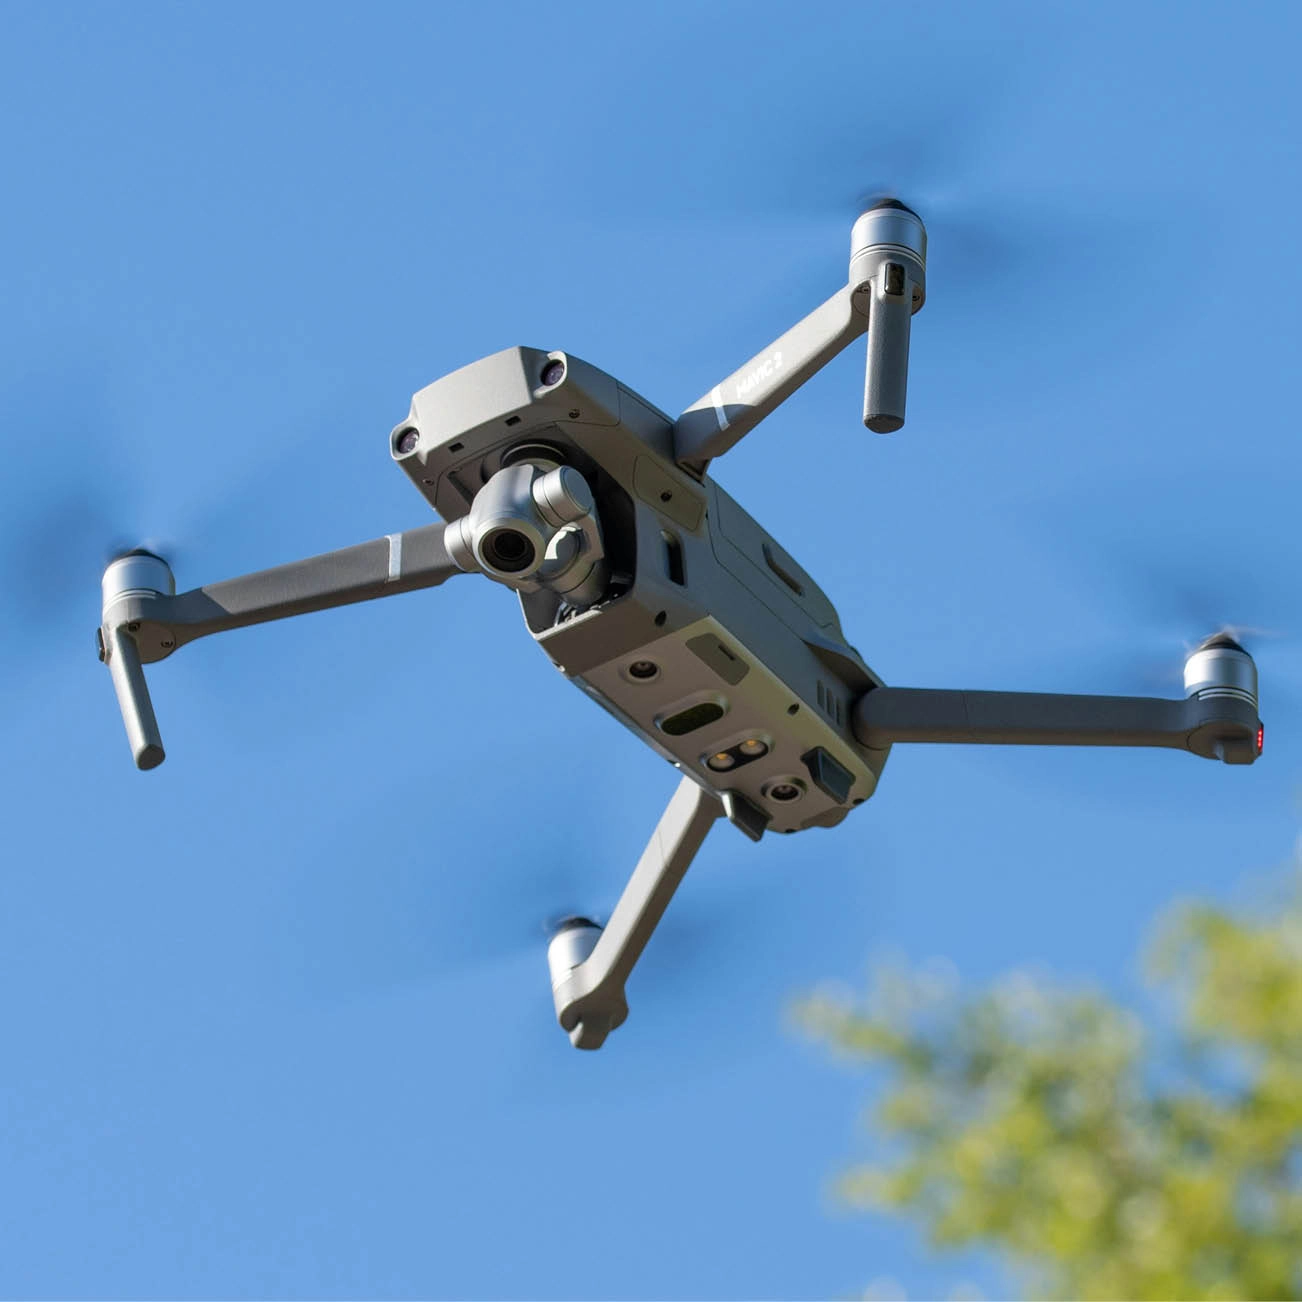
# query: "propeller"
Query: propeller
412,916
68,514
949,137
1167,569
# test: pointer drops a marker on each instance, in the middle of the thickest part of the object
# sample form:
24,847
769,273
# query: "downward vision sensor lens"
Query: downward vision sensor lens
784,792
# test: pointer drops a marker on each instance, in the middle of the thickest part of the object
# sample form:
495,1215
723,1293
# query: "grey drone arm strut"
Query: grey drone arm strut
720,418
590,965
528,527
144,619
887,285
1214,725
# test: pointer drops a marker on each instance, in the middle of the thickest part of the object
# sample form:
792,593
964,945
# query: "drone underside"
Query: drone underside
658,595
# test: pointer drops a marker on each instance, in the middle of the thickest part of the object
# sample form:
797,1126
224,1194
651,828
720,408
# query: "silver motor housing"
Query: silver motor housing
888,273
1219,666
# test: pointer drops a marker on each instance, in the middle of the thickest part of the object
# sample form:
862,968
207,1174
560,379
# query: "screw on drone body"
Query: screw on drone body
167,643
574,413
134,626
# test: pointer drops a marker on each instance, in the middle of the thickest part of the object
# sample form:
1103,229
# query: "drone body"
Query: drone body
709,641
659,596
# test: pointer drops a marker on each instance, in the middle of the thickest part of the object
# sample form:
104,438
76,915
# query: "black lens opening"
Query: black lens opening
508,550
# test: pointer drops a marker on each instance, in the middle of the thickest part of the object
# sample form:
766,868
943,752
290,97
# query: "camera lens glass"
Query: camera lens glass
508,550
406,441
553,372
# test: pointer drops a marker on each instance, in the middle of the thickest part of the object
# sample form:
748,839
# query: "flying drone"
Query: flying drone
661,598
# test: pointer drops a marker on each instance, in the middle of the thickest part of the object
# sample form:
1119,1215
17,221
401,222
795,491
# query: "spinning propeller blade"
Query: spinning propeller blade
953,146
1166,577
381,912
85,509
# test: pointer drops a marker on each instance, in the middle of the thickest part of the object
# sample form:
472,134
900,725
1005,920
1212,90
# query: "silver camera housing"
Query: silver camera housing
534,526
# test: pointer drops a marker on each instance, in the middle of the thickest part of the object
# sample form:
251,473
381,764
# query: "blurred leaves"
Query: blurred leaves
1105,1158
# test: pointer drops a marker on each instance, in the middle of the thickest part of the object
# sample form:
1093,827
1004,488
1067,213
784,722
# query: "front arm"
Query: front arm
144,620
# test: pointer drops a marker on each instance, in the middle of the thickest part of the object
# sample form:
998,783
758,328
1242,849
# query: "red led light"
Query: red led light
1261,737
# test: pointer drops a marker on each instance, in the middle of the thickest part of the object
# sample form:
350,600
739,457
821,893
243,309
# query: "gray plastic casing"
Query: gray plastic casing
698,588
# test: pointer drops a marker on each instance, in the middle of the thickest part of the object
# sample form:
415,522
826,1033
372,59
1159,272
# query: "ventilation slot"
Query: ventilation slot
674,560
830,703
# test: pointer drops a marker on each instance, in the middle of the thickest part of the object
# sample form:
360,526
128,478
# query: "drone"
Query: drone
655,593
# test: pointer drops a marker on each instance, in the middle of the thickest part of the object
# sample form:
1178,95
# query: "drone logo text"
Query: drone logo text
765,370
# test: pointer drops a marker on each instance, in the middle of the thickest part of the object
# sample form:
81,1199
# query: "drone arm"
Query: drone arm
143,623
589,998
129,684
400,562
712,424
1216,727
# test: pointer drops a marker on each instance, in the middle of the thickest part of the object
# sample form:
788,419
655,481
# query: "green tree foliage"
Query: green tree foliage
1101,1157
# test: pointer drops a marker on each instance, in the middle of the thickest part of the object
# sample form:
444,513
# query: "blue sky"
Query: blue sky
276,1016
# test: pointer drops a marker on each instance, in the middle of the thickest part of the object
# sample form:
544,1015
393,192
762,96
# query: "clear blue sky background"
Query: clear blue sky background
275,1022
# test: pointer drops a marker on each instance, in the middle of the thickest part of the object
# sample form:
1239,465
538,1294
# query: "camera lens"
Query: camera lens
643,669
406,441
553,372
507,550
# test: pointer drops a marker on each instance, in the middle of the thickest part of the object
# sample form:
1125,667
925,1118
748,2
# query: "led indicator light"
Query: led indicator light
1261,737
